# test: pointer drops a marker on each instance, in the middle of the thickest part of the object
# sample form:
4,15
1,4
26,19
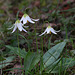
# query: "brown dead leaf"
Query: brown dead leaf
44,16
37,3
66,2
51,24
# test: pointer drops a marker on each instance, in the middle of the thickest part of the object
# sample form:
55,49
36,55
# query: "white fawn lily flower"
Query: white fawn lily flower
18,25
25,18
49,29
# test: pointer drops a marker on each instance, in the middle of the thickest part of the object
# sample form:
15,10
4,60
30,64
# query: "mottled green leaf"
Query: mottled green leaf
6,62
52,55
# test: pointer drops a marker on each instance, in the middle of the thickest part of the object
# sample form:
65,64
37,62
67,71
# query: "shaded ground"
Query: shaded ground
60,15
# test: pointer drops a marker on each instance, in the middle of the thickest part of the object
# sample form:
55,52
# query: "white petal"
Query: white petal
29,19
24,29
53,31
22,18
25,20
14,29
43,32
11,27
35,19
57,31
48,30
25,26
19,25
22,24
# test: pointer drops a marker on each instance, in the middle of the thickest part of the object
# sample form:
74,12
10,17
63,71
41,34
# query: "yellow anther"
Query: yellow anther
27,21
50,32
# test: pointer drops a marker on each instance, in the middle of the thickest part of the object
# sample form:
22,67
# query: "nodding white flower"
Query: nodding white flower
18,25
49,29
25,18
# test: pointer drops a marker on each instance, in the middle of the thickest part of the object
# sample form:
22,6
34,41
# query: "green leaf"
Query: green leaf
72,52
49,43
6,62
50,68
52,55
30,60
66,63
15,50
2,58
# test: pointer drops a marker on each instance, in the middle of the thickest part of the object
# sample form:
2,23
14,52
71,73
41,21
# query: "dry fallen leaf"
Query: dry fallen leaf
66,2
51,24
37,3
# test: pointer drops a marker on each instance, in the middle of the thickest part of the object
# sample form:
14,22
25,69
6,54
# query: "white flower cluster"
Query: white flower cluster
49,29
18,24
25,18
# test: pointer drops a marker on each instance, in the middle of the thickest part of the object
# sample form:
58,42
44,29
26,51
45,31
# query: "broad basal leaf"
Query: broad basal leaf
16,50
52,55
2,58
6,62
66,63
30,60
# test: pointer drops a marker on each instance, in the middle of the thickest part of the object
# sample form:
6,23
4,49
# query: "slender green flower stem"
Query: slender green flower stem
67,66
19,50
28,44
36,38
2,61
66,37
36,44
60,67
41,55
42,41
66,30
26,41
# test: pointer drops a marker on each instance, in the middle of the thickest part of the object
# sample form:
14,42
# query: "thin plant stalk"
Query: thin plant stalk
41,58
26,41
19,50
67,66
66,37
18,43
36,44
28,44
36,38
60,67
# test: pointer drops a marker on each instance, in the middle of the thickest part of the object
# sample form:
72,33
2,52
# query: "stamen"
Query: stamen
50,32
27,21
